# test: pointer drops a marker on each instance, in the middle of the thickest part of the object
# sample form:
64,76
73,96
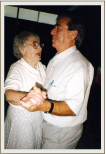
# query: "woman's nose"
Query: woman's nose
39,47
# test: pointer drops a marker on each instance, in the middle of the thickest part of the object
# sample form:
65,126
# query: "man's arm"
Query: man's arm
35,101
60,108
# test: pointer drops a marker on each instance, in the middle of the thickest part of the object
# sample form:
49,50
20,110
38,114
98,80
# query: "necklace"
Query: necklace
35,66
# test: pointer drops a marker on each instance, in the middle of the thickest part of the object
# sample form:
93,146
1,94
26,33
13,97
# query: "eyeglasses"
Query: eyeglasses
35,44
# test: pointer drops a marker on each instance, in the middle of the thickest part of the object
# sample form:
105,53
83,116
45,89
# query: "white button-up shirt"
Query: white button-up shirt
69,78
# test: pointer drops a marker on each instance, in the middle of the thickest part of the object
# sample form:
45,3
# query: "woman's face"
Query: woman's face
32,50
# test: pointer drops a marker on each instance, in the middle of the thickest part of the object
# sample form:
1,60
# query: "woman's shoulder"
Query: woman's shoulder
16,65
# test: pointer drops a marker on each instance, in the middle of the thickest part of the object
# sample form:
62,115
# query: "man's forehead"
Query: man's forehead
63,21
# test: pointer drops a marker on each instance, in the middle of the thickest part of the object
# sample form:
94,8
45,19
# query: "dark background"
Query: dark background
91,49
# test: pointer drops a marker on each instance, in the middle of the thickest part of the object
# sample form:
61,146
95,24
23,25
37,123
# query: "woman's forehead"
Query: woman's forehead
31,38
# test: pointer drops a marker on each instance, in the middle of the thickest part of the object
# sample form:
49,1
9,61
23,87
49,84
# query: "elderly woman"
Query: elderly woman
23,129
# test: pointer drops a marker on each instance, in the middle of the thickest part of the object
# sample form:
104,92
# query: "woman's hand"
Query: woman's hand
33,100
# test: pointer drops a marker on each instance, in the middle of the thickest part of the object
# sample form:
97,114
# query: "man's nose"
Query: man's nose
53,31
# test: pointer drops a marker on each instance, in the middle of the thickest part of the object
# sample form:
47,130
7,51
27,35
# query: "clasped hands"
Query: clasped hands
33,100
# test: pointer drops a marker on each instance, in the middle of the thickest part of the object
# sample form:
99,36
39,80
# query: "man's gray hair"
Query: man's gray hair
75,23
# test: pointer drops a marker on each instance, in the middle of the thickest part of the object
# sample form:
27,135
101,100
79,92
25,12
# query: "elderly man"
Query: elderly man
69,78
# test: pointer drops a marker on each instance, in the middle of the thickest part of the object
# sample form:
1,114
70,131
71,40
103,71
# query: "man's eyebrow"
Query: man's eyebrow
58,24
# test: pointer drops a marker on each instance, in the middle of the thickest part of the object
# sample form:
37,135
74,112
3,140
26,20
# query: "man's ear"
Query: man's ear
73,34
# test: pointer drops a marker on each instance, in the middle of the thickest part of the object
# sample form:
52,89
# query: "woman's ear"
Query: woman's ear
21,50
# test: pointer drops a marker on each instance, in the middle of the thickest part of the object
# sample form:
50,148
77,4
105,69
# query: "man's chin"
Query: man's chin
54,44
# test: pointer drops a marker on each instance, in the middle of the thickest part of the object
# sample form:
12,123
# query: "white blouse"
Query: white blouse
22,77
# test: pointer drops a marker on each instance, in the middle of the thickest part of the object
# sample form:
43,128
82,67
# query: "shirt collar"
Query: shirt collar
65,53
30,68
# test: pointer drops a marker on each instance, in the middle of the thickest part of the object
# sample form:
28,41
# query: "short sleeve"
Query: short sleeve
13,79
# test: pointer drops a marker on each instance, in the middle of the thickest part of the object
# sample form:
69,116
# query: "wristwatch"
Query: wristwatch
52,106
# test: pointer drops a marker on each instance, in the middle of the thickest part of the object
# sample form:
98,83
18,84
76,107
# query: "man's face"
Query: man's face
61,34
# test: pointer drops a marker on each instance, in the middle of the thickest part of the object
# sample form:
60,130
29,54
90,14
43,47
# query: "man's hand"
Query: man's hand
33,100
36,101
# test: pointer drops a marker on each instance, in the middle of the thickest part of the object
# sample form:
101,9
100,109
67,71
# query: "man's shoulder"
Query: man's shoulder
79,57
77,61
50,62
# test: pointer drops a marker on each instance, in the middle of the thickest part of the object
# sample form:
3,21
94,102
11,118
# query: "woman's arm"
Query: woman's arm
14,97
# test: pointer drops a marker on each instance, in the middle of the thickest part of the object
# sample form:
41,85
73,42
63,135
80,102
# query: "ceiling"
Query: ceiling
39,13
82,11
55,9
